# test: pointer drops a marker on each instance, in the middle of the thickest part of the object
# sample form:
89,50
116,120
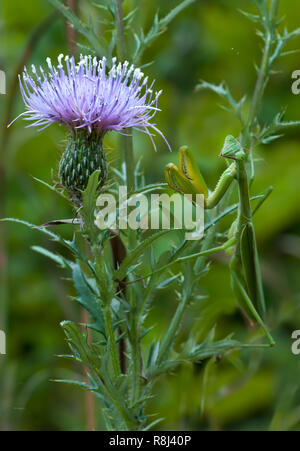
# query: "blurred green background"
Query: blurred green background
210,40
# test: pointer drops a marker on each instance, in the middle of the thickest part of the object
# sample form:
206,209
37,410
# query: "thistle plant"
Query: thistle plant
114,281
89,102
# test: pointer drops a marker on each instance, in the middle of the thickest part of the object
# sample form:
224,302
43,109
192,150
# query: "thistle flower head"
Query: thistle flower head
86,95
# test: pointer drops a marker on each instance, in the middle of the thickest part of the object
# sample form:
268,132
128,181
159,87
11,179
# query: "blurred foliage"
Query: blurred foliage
210,40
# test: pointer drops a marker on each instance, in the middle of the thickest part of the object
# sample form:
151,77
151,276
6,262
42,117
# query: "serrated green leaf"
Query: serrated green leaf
79,26
166,282
77,341
158,27
71,245
76,383
62,261
136,253
154,423
51,187
87,299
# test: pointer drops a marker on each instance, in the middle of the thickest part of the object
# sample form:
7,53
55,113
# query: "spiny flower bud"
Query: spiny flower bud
84,155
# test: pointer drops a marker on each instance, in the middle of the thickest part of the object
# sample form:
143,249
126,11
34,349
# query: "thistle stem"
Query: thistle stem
171,334
135,355
126,140
260,84
89,399
177,318
129,167
264,67
128,153
112,341
121,45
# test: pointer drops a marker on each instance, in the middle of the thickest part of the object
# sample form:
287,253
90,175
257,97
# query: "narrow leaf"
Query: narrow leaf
87,299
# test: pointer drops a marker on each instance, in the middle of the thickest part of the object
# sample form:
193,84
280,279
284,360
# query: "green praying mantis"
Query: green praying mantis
246,280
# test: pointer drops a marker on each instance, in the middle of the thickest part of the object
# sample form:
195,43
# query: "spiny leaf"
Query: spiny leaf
69,357
79,26
224,92
52,188
136,253
196,353
167,282
153,354
62,261
158,27
78,343
87,299
77,383
220,89
269,132
253,17
50,234
148,188
71,245
154,423
271,138
164,22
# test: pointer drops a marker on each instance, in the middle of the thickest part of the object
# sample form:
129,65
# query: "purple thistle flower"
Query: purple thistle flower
88,96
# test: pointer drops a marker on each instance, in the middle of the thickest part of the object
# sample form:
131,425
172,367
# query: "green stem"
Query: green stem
135,356
264,67
274,10
260,85
111,340
126,140
121,45
177,318
130,169
268,191
130,179
112,395
186,258
171,334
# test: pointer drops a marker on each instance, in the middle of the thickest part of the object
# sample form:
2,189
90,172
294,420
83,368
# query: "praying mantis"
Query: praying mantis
245,273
